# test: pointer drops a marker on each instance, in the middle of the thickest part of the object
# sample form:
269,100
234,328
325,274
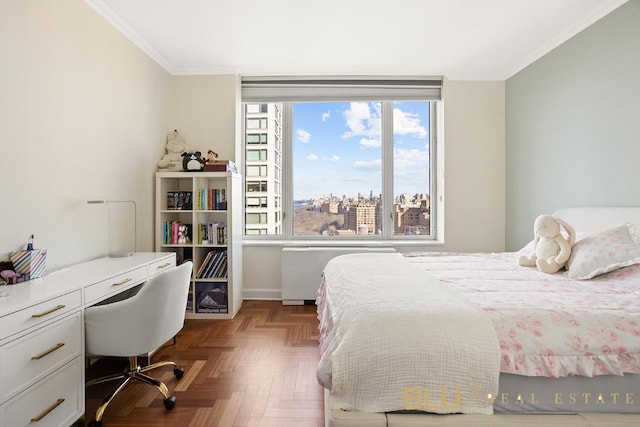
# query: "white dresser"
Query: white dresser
42,336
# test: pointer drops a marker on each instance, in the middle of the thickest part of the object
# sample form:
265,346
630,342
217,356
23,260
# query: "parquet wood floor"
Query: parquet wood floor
257,370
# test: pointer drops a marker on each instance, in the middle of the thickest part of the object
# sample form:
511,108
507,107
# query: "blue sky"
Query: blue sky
337,148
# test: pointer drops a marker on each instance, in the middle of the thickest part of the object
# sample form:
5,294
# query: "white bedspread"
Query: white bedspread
372,305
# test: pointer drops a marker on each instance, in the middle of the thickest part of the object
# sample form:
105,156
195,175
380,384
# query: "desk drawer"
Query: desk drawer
160,266
109,287
39,313
30,357
57,401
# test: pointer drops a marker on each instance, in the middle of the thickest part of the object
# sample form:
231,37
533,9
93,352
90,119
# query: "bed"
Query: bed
475,339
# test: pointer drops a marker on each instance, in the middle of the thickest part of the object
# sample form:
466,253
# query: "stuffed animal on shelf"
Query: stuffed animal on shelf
176,145
551,248
192,162
182,234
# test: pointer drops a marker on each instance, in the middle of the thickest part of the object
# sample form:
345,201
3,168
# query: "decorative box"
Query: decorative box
220,166
31,264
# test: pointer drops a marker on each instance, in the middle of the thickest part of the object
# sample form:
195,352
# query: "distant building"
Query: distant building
363,214
329,206
412,220
263,168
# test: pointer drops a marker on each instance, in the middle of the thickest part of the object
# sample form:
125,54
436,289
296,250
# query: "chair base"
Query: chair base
134,372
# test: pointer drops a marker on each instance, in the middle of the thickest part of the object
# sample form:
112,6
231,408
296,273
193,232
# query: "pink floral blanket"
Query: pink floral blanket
548,324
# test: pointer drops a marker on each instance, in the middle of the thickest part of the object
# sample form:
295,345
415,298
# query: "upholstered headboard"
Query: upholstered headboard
596,219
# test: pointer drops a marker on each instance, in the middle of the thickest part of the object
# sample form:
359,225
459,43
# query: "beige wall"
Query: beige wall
474,166
83,114
205,109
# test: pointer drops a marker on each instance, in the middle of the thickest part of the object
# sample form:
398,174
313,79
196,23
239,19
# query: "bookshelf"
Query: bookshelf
199,217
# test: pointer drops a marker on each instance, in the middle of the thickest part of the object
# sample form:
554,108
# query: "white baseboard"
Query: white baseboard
262,294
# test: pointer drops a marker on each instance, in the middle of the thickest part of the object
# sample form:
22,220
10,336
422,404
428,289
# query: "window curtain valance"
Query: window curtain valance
300,89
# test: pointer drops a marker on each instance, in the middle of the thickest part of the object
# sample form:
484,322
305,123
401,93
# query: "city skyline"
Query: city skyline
337,149
369,196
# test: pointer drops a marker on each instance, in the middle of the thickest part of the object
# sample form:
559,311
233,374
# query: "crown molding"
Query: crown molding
112,18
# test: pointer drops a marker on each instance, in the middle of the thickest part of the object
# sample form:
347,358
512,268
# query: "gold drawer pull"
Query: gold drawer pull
167,264
122,282
47,411
51,350
44,313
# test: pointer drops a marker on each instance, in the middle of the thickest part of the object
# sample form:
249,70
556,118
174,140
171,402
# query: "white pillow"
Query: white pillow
604,252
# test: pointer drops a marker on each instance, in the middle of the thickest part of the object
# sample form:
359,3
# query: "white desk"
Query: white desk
42,336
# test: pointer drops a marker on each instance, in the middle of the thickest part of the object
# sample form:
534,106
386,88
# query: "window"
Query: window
362,166
337,168
256,186
256,218
411,166
256,108
256,138
256,155
256,202
256,170
256,123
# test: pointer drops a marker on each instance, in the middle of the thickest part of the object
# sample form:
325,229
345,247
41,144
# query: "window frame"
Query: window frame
436,163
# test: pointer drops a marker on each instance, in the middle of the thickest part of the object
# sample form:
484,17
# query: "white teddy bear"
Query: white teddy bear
176,145
551,248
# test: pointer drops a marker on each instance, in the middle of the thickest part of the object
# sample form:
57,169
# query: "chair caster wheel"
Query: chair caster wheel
168,403
178,372
95,423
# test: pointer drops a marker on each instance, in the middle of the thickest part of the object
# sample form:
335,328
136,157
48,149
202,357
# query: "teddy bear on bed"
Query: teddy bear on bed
551,248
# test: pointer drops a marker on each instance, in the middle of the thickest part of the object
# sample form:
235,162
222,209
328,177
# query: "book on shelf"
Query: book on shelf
206,274
203,235
220,262
211,199
215,259
204,264
218,233
223,271
213,266
179,200
222,199
212,233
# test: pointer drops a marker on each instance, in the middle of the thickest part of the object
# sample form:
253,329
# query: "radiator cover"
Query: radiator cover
302,269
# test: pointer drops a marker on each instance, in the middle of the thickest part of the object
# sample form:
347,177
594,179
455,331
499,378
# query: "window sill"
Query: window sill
343,243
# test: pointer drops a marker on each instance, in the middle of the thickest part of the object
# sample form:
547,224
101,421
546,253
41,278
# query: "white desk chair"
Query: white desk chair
139,325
